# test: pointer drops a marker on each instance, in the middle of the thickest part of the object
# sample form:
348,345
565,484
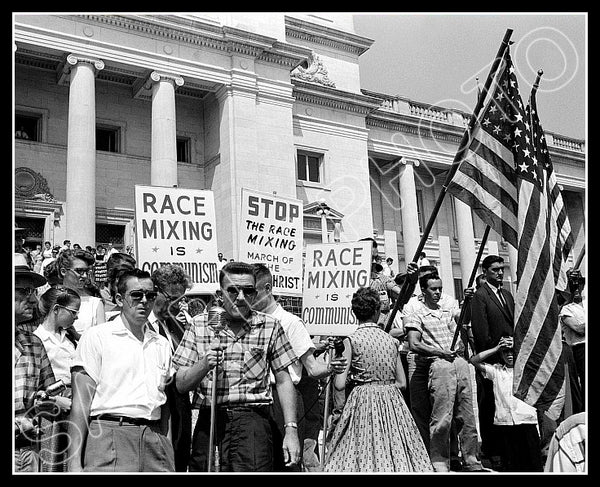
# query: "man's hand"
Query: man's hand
213,357
448,355
412,271
505,342
337,365
469,292
291,447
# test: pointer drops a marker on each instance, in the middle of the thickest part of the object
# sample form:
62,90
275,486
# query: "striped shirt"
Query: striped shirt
243,377
33,371
435,325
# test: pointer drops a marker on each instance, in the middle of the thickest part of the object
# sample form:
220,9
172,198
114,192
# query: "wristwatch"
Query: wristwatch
291,424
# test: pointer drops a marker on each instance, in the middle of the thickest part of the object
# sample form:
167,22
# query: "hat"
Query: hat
23,270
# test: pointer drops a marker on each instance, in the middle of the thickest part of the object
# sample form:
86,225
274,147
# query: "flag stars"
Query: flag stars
517,132
535,161
496,129
523,167
486,122
526,152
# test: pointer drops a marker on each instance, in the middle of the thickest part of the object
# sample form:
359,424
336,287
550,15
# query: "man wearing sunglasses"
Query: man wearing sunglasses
33,372
119,418
245,349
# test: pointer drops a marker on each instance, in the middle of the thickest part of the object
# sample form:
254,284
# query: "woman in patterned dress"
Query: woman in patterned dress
376,431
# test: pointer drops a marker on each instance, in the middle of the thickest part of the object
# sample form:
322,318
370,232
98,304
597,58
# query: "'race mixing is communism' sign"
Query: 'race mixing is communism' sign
177,226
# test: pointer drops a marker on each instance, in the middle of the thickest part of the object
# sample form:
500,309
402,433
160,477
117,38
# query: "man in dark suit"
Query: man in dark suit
492,317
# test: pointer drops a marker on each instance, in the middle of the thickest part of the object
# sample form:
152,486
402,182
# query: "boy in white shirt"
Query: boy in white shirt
516,420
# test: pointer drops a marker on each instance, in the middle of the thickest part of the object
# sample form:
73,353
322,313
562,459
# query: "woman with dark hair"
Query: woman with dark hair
59,306
376,431
75,267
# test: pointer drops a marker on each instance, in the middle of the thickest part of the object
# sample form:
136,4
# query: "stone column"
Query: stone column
81,151
445,267
163,171
466,240
408,207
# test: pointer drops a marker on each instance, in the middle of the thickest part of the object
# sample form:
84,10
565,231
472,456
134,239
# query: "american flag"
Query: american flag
486,179
545,241
506,177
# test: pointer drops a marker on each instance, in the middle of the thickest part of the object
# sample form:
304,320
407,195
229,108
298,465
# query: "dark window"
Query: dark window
458,289
33,232
28,127
420,209
309,167
183,149
107,139
106,234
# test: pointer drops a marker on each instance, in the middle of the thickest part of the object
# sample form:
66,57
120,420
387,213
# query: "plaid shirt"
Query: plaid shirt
33,371
435,325
244,376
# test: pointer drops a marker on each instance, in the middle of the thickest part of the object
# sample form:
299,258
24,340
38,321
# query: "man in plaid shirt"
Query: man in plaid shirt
245,349
430,328
33,372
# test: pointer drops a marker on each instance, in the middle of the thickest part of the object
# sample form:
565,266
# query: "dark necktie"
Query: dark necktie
501,298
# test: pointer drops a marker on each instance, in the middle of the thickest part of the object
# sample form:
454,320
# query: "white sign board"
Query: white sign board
332,273
177,226
271,233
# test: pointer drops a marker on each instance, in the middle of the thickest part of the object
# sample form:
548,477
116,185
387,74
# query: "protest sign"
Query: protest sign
177,226
332,273
271,233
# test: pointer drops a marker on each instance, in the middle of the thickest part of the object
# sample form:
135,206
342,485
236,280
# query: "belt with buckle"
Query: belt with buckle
126,419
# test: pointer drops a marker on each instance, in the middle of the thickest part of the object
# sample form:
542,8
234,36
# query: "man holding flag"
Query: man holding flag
507,178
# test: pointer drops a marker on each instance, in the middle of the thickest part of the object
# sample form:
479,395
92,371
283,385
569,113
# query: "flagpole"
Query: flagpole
580,258
467,299
464,145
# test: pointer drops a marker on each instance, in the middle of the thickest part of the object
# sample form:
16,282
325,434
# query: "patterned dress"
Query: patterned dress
376,431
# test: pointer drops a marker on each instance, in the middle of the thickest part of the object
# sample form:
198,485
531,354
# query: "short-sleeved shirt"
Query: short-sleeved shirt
60,351
87,313
243,377
33,371
299,338
130,375
509,409
436,326
576,311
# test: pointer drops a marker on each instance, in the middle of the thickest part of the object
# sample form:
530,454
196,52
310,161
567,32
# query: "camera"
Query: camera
338,346
52,390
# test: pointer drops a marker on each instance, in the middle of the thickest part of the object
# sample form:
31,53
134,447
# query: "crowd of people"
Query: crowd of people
119,370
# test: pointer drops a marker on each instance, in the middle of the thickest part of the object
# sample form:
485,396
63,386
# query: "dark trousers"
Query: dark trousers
521,451
243,437
279,432
180,411
579,360
490,439
312,418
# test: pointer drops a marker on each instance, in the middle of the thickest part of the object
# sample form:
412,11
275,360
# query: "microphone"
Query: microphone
216,319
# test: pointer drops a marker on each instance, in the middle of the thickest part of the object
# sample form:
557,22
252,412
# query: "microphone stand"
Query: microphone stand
213,410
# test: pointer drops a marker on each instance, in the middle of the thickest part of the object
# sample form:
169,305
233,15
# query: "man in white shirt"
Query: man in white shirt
302,346
119,419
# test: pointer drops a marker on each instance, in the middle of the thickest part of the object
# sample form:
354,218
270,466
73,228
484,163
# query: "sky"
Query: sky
435,58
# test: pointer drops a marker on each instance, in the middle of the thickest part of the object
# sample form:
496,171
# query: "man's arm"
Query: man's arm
83,388
188,378
319,368
287,398
574,324
417,346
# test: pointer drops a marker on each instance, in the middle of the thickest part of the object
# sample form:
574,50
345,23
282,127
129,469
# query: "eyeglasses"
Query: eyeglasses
27,291
74,312
138,295
248,291
496,270
81,272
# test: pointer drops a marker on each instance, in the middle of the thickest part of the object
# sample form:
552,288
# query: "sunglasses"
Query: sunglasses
248,291
138,295
27,291
81,272
74,312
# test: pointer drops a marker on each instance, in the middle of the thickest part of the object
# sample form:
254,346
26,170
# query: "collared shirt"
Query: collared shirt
130,375
87,313
157,326
498,292
33,371
244,375
299,338
60,351
436,326
509,409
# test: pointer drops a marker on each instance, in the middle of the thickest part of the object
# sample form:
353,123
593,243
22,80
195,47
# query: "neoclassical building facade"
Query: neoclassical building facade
224,101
